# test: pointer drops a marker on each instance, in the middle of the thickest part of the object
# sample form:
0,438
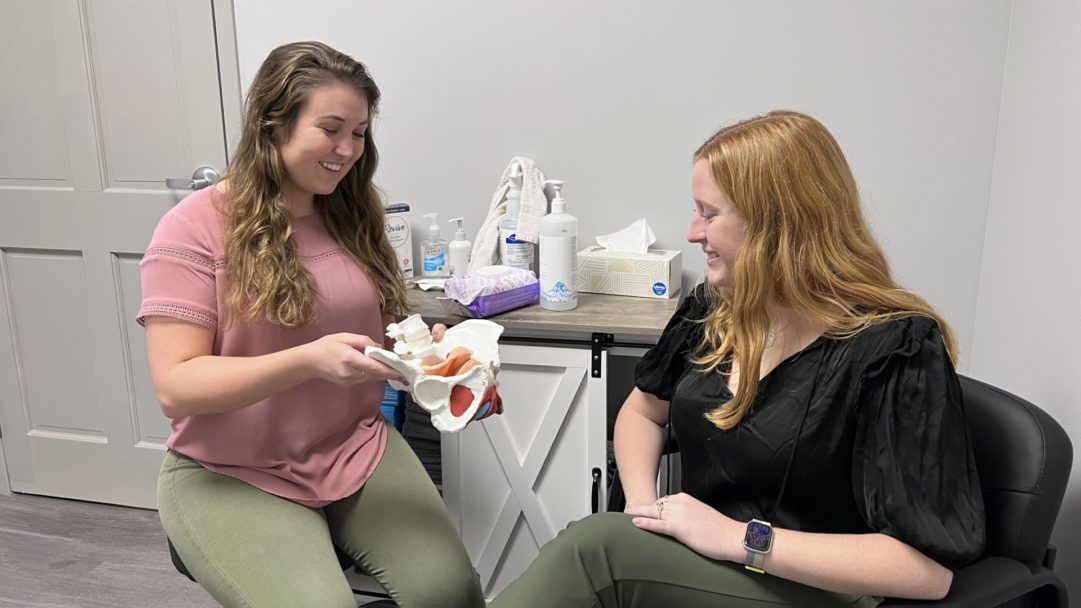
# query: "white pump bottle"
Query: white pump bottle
558,254
458,255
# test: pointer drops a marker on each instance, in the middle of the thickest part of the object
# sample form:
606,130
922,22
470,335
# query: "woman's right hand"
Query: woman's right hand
340,358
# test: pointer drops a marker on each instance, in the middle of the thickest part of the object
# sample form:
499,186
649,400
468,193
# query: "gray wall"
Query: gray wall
1028,329
614,96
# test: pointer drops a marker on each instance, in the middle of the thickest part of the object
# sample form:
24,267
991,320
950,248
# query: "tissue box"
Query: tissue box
396,225
653,274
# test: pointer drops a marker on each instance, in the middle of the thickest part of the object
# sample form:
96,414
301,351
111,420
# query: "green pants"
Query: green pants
253,549
603,560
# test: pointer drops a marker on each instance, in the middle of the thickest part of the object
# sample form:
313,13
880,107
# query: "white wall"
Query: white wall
614,96
1028,326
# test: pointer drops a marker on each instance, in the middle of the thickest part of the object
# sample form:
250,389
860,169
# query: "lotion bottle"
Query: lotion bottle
458,255
558,254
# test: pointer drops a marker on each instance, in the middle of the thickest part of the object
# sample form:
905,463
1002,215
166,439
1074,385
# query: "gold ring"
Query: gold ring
660,508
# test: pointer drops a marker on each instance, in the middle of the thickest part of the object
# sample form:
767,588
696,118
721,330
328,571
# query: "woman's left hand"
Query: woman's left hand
438,330
693,523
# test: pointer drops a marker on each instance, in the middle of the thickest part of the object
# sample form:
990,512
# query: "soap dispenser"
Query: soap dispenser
458,254
513,252
558,254
434,250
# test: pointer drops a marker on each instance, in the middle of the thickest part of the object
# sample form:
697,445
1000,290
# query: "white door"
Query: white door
512,482
100,102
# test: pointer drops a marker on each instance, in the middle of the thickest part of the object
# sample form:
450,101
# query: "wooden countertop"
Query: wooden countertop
638,319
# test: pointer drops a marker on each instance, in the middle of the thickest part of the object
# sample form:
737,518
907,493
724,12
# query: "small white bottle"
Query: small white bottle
458,254
512,252
558,254
433,250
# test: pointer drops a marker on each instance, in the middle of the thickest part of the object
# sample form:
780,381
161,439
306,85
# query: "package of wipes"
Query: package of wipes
490,291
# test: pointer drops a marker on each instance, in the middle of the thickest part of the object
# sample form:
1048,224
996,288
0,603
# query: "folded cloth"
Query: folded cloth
533,207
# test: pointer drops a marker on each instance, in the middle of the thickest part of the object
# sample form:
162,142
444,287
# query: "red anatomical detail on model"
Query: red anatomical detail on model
460,400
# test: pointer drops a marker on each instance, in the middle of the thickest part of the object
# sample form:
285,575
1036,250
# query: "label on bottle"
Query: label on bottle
559,268
435,261
515,253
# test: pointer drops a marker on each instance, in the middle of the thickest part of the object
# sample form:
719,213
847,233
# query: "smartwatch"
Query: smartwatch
757,540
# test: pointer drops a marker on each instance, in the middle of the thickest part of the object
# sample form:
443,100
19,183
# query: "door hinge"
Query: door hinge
599,342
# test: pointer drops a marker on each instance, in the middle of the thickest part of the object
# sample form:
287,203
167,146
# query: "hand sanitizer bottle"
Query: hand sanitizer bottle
513,252
458,255
558,254
434,250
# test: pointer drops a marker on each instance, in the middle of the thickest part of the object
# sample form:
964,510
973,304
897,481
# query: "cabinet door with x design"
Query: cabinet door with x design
513,481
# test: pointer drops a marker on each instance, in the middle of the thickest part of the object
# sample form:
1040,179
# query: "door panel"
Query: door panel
149,426
53,339
34,117
165,101
107,99
511,482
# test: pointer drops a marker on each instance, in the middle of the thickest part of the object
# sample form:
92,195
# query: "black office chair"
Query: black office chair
343,560
1024,459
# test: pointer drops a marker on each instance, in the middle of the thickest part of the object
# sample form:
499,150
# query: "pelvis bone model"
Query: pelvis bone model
454,378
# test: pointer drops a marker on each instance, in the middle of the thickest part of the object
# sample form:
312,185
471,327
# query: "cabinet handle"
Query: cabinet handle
596,490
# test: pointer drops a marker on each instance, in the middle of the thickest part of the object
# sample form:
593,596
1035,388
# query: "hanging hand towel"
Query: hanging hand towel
533,207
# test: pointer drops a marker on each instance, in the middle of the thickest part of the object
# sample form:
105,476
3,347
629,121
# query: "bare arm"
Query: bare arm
863,564
639,438
189,380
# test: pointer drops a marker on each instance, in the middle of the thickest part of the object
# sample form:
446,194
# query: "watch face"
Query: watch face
758,538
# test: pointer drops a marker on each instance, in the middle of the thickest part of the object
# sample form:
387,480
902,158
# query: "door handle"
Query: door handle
203,177
596,493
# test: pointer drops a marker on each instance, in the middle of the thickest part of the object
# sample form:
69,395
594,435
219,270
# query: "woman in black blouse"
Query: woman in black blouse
841,465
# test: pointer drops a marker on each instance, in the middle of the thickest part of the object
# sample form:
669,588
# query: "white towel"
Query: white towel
533,207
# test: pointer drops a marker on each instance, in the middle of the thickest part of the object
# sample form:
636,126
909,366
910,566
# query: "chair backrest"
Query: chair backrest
1023,457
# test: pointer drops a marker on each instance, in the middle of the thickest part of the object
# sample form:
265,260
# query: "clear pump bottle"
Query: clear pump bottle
434,250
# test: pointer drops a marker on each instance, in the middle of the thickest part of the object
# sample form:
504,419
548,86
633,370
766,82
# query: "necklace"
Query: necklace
771,335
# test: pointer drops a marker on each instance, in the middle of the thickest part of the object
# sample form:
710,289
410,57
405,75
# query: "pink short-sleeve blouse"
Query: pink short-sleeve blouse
314,443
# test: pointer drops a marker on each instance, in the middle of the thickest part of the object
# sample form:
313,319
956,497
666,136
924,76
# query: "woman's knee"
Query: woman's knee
599,532
452,587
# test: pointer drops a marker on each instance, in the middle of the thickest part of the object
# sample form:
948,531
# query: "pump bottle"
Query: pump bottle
434,250
558,254
458,255
513,252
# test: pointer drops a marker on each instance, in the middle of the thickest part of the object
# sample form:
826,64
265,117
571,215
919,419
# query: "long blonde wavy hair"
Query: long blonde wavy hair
265,279
807,243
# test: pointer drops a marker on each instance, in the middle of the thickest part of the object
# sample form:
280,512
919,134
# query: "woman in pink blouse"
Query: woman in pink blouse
259,296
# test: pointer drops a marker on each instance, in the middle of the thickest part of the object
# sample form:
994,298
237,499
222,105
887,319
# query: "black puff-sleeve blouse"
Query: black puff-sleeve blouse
884,448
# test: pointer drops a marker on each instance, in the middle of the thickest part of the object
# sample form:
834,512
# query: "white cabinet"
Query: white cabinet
512,482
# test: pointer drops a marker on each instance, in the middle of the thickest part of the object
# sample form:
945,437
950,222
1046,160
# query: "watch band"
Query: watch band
754,562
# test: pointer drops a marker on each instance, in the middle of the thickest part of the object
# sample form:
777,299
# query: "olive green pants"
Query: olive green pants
253,549
603,560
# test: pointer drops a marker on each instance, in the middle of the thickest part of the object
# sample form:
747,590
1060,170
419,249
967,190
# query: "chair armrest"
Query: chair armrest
989,582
